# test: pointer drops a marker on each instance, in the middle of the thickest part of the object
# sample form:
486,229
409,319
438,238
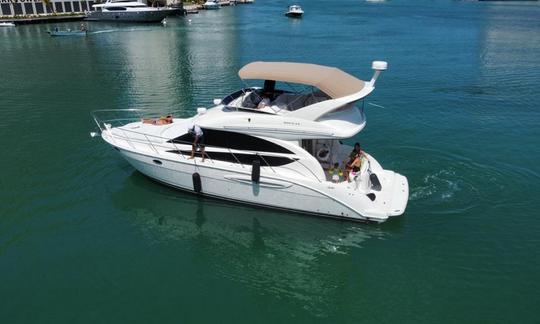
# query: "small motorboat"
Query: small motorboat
294,11
7,24
67,32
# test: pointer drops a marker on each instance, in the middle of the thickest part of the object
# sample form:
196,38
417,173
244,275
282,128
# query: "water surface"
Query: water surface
85,238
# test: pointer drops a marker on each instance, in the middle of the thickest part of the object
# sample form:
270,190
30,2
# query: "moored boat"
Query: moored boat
211,5
7,24
127,11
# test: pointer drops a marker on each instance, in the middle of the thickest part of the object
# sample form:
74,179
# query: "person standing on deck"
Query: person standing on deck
198,141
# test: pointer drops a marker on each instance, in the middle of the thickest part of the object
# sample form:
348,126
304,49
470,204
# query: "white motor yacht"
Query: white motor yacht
269,146
211,5
126,11
294,11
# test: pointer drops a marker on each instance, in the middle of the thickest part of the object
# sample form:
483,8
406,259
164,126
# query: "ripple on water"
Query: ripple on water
450,184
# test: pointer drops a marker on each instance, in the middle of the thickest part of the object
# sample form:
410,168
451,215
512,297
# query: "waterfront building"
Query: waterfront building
11,8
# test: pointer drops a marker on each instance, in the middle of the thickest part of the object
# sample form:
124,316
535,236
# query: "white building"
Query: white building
10,8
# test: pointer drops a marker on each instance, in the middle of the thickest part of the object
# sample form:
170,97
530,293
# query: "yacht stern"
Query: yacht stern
400,196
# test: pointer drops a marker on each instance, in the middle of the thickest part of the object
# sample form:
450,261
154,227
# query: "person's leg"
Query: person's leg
201,144
193,147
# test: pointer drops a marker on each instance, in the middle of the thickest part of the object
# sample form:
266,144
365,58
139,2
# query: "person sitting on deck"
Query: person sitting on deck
158,121
353,153
198,141
355,166
265,101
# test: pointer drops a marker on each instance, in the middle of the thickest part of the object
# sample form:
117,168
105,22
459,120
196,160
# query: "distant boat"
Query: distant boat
294,11
127,11
68,32
211,5
7,24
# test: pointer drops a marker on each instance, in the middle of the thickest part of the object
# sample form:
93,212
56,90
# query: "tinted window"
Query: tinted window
29,9
17,7
241,158
58,6
39,8
235,141
6,9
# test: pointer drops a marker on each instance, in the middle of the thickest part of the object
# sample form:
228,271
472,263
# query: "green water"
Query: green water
85,238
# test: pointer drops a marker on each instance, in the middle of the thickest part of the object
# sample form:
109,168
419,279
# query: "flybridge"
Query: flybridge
337,90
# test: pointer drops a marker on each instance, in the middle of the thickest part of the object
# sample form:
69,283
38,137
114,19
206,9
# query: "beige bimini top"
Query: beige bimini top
330,80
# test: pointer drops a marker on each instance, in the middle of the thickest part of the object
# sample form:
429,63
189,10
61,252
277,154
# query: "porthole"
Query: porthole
158,162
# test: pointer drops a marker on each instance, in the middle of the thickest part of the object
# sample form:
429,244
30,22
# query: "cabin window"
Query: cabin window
235,141
39,8
116,9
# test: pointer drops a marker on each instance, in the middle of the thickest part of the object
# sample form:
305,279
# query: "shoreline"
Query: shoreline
44,18
191,8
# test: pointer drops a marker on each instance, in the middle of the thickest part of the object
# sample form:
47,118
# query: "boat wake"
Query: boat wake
103,31
446,183
117,30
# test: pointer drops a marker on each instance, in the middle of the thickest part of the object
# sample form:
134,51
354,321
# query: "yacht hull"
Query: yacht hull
126,16
293,14
237,186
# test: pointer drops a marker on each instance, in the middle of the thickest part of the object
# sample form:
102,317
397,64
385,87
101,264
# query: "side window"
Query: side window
236,141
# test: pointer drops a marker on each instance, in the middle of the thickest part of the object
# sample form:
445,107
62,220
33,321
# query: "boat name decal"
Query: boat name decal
291,123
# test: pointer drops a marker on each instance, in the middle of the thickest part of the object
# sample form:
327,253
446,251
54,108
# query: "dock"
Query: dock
194,8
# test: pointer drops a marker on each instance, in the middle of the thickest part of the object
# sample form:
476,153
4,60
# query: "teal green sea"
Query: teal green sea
84,238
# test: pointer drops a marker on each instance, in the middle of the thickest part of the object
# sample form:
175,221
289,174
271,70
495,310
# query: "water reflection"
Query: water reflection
273,252
509,37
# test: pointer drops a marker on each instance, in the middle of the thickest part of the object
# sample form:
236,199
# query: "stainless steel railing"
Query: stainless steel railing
107,119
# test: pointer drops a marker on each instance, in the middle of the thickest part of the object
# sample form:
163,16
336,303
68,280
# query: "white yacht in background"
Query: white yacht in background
211,5
7,24
126,11
294,11
277,154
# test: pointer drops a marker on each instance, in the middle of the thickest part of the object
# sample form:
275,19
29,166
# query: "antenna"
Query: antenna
378,66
